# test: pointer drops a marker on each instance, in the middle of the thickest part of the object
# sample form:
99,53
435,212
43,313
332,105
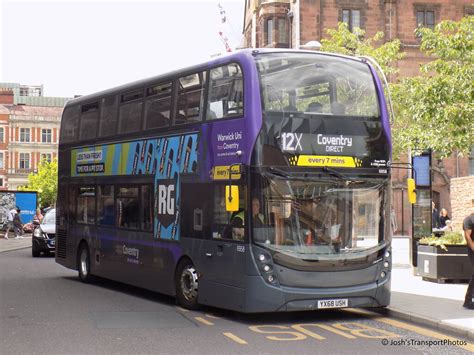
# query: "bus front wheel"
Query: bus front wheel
187,285
84,263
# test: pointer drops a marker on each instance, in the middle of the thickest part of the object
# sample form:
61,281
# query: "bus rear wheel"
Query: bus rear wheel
84,263
187,285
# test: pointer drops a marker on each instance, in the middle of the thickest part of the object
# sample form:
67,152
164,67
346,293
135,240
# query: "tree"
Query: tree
45,182
354,43
438,105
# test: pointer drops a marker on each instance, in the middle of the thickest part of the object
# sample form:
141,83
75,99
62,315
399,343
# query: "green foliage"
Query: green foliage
45,182
438,105
449,238
354,43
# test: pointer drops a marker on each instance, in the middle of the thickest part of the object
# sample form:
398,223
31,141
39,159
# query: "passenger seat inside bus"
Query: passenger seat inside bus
315,107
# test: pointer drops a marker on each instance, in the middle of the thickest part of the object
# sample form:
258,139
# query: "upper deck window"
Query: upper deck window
158,106
190,98
108,116
89,119
70,123
318,84
225,92
130,112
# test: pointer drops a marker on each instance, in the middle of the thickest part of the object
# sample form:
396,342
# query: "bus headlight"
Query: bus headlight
385,264
387,254
382,274
265,265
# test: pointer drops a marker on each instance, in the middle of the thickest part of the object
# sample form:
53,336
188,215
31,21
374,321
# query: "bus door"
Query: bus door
219,247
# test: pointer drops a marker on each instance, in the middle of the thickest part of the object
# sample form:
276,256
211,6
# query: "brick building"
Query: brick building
295,23
29,131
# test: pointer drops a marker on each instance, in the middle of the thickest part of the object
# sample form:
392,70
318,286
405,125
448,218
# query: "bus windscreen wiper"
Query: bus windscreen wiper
335,173
280,172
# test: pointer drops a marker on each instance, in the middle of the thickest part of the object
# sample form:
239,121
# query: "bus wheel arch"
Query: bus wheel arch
84,262
187,283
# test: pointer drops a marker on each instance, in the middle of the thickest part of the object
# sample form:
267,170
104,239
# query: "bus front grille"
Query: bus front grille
61,243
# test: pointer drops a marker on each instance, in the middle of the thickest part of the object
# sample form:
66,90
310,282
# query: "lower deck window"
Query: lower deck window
127,208
85,212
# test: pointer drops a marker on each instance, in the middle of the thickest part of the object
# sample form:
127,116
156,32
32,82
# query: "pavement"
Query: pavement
423,302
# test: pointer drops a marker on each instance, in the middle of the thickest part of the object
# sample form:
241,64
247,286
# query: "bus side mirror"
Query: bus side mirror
231,198
411,189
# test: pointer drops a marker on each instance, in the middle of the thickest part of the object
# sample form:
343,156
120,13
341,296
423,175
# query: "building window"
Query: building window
24,161
1,182
351,18
282,31
425,19
1,161
268,31
24,134
2,134
46,156
46,135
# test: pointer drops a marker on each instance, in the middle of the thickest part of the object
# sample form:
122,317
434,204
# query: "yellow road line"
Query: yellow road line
181,309
203,321
413,328
235,338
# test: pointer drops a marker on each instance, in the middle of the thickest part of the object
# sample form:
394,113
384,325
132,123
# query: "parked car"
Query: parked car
44,236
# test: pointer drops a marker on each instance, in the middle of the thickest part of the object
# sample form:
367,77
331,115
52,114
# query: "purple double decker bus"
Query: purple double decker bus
256,182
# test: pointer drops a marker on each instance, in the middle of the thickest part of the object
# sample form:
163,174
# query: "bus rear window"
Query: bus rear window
70,124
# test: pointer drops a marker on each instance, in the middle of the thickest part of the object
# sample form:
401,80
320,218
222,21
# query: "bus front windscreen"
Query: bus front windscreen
325,219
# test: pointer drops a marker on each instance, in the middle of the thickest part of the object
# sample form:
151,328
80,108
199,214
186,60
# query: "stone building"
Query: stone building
296,23
29,131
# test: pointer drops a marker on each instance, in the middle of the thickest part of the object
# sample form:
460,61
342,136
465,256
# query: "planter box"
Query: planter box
438,265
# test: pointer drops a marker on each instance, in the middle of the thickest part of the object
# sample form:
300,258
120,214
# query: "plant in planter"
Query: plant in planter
444,258
449,238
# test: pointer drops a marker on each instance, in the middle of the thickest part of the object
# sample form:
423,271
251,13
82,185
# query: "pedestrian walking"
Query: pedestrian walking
38,217
468,226
18,225
10,226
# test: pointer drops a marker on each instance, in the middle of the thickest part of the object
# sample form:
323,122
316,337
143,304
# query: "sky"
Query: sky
80,47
